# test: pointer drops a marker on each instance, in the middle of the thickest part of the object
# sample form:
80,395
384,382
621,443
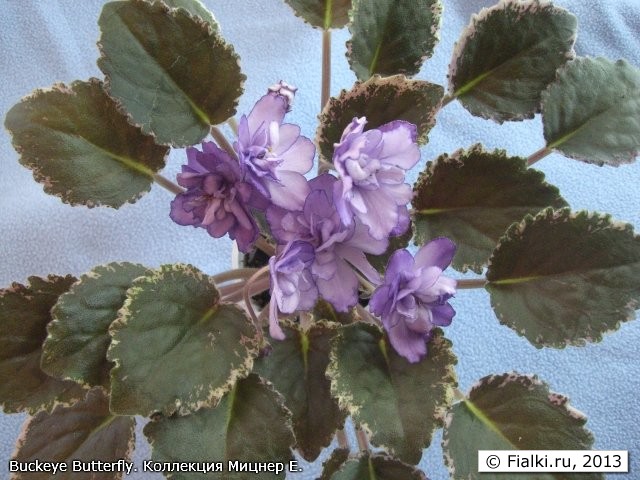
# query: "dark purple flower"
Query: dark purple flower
338,248
292,285
273,155
372,167
216,198
413,298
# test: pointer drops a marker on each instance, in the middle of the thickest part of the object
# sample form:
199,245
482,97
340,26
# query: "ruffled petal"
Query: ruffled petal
299,156
399,146
245,236
382,213
270,108
285,225
358,259
220,227
342,290
438,252
403,222
408,344
180,214
363,240
442,315
274,326
400,261
291,192
379,300
343,207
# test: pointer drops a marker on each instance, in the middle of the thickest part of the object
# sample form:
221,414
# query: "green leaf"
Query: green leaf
323,14
512,412
381,100
400,403
335,461
296,366
78,339
24,315
250,424
81,148
473,196
507,56
392,36
170,71
195,8
379,262
85,432
194,348
592,111
563,278
377,467
323,310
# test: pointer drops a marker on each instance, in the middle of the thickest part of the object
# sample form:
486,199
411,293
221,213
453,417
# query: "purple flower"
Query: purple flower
273,155
338,248
413,298
216,198
372,168
292,285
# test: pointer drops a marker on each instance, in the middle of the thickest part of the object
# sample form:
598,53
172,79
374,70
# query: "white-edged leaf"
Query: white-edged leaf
175,346
389,37
563,278
592,111
508,55
85,432
78,336
170,71
512,412
81,148
472,197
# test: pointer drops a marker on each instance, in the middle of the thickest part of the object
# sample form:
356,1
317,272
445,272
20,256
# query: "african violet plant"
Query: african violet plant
352,322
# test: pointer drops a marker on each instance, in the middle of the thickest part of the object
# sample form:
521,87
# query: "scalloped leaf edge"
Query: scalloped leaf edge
469,32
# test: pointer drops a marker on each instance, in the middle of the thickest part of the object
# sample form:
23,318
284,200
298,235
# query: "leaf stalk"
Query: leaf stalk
539,155
167,184
326,67
219,137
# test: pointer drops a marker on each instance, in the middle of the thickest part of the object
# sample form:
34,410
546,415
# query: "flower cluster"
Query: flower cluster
323,227
413,297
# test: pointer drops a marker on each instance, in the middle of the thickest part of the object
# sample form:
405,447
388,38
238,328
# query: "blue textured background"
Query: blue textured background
46,41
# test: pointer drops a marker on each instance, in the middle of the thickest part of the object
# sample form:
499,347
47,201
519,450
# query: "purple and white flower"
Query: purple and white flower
372,165
292,285
338,249
217,198
413,298
273,155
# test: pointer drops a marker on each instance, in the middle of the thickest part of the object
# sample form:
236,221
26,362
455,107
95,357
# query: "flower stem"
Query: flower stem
230,290
236,274
326,67
458,395
471,283
263,317
324,166
265,246
363,440
539,155
366,316
164,182
246,294
343,441
234,125
232,293
446,100
223,142
306,320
